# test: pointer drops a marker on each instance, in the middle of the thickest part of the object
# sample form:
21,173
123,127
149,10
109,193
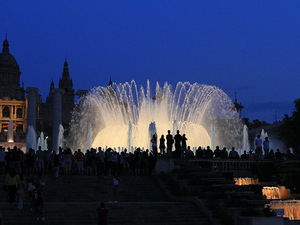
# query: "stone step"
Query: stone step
178,213
95,188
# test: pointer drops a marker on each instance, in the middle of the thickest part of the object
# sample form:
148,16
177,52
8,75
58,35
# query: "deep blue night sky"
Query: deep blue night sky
249,47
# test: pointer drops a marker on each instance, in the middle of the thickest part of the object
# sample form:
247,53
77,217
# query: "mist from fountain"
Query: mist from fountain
89,136
212,136
42,141
10,134
120,115
61,139
246,145
263,134
31,139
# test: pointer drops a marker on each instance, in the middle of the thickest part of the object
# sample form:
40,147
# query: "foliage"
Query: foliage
255,123
290,129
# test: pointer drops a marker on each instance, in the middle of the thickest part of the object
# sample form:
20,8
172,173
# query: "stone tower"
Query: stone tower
68,96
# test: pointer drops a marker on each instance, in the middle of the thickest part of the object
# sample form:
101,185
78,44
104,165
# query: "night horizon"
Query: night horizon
244,48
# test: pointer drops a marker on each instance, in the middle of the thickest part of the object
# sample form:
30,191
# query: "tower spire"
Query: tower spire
5,45
66,73
110,83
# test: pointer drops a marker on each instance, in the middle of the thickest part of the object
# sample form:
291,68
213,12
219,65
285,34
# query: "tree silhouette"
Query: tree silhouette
290,129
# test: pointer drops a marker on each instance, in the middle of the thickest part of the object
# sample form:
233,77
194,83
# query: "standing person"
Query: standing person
2,160
233,154
162,145
30,159
40,154
68,158
100,161
154,144
30,188
217,152
208,153
170,142
266,145
108,161
116,183
12,180
258,145
183,143
199,153
178,139
80,160
102,212
21,192
56,164
38,202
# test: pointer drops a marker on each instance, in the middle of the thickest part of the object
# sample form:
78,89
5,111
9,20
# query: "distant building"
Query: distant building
25,107
13,104
68,99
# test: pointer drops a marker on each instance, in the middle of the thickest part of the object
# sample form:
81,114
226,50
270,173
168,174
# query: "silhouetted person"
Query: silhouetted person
224,153
266,145
38,202
162,145
170,142
290,155
154,144
271,154
178,139
245,155
11,182
189,153
278,155
183,142
217,152
233,154
208,153
102,212
199,153
258,145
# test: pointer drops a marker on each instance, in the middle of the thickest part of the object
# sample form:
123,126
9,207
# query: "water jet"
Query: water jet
120,116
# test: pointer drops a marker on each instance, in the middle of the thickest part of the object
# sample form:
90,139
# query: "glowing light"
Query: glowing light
246,181
120,116
276,192
291,208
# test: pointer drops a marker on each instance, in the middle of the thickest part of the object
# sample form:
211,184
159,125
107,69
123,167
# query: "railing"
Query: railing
232,165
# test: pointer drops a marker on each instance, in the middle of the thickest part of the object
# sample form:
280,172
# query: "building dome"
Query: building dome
9,75
7,60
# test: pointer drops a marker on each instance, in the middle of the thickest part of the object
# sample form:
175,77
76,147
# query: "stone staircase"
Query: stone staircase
74,199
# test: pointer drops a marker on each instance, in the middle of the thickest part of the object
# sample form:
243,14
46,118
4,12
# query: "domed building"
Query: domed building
13,104
25,107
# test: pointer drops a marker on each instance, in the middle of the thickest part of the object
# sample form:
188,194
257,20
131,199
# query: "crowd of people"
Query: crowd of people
17,164
66,162
110,162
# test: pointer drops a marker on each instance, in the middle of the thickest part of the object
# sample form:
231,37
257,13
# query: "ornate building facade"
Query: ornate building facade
13,103
25,107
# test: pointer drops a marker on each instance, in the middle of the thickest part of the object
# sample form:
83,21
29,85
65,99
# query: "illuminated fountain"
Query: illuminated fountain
10,141
121,115
246,145
291,208
10,133
31,138
276,192
61,139
42,141
246,181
